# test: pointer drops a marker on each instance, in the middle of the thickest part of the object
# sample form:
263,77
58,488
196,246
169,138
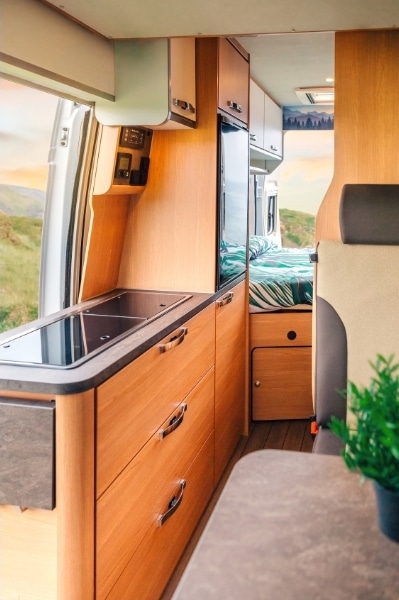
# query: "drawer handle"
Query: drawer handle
235,106
291,335
183,105
173,423
174,341
173,505
226,299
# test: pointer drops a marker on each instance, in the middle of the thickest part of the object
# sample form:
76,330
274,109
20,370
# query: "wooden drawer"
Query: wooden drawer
150,568
281,383
280,329
132,405
131,506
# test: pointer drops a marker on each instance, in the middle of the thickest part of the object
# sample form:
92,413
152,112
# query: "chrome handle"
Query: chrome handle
235,106
252,137
226,299
274,148
257,383
173,423
183,105
174,341
173,505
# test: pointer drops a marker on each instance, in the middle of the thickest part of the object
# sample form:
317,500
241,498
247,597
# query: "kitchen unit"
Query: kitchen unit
145,425
281,365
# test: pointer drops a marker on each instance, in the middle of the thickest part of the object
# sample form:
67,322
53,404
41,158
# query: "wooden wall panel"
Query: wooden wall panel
172,224
106,235
366,119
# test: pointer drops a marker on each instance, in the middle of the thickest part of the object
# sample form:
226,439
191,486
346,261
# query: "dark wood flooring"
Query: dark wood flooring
272,435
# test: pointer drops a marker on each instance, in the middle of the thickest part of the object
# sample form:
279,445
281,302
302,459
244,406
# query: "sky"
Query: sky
306,170
26,119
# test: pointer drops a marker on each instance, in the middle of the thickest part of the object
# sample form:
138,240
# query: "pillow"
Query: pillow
258,244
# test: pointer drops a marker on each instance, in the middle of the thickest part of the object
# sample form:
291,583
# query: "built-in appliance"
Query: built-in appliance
68,341
233,174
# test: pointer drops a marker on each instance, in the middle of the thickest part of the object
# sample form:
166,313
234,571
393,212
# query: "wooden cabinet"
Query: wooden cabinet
154,85
231,344
281,365
155,428
233,90
266,130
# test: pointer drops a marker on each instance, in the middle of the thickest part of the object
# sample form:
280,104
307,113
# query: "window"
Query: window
43,150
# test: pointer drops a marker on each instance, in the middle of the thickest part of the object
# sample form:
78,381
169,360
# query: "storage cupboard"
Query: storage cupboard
233,71
266,130
281,365
154,85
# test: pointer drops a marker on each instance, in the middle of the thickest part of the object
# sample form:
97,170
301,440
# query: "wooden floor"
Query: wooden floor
272,435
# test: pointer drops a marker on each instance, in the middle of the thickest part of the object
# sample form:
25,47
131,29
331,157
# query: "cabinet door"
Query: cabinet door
230,375
281,383
182,77
233,81
273,132
256,114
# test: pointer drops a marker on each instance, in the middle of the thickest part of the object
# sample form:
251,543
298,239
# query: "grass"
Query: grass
20,240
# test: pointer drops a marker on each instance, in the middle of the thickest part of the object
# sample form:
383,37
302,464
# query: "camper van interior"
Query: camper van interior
181,307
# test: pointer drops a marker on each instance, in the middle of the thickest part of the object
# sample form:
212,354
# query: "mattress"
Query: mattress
278,277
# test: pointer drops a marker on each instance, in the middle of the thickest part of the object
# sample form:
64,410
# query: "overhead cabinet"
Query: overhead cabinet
154,85
233,72
266,131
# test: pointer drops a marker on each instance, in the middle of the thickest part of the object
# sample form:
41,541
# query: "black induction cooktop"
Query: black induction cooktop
70,340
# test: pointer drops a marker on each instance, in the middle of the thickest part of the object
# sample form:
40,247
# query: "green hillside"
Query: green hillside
21,201
297,229
20,239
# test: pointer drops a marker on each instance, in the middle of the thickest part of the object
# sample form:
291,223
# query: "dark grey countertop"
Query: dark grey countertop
292,526
98,368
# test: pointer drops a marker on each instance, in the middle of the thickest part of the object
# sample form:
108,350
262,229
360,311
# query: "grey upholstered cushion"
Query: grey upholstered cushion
369,214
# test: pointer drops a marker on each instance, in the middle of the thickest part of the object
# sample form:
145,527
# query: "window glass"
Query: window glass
42,145
26,123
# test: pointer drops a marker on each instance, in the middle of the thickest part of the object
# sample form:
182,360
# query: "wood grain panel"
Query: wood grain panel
366,121
230,382
133,403
281,385
131,506
28,553
271,329
75,495
105,244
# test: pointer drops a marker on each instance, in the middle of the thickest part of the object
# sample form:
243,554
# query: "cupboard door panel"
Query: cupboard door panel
230,376
133,404
281,383
131,506
233,81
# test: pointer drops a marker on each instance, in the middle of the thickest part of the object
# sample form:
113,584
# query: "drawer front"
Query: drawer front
281,383
150,568
131,506
132,405
280,329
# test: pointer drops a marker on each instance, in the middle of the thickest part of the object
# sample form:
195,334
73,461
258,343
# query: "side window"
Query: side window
37,183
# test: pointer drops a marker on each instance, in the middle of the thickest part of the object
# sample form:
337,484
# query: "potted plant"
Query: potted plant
372,445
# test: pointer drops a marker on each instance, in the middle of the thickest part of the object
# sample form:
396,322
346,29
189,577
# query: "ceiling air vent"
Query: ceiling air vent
315,95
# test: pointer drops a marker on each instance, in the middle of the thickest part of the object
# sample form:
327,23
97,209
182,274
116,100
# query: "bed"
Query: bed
279,278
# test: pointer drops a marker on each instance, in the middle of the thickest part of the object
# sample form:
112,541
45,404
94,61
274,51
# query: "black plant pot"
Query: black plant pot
388,511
